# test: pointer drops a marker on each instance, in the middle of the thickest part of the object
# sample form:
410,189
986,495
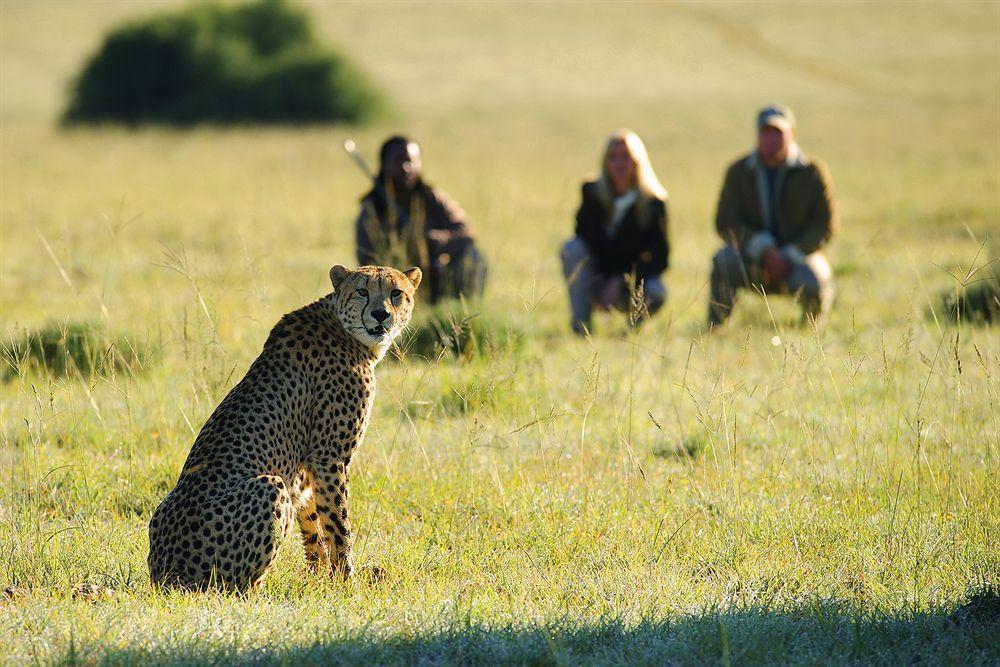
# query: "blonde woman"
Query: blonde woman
621,243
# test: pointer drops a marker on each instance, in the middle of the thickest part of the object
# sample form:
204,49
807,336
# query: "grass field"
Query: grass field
766,494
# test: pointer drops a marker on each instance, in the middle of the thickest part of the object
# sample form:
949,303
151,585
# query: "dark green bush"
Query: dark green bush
258,62
64,349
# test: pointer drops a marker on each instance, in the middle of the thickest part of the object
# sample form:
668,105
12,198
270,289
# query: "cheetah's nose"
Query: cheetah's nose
380,315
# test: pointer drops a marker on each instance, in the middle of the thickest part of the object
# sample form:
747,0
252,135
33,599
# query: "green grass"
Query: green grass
766,494
976,298
461,330
71,348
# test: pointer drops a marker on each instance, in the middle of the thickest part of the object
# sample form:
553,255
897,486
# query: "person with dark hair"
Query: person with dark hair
776,214
620,247
404,221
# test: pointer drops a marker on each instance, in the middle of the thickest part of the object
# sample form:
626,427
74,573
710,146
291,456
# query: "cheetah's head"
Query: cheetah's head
374,303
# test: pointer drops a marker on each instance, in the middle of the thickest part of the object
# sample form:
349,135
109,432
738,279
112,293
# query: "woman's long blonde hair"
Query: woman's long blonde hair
646,182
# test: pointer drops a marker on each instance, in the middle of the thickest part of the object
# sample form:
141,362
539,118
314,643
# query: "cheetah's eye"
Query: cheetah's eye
363,292
396,293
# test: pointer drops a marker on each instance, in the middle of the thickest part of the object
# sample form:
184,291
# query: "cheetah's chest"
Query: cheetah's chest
343,403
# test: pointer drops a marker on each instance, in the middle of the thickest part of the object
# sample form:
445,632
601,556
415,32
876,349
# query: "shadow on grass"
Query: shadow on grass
689,448
457,331
978,303
808,633
65,349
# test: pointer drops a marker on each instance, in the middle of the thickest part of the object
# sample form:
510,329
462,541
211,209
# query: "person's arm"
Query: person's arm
366,231
655,256
589,218
822,220
446,227
731,225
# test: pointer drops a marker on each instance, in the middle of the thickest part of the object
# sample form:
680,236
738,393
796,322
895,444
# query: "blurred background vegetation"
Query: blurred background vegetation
211,63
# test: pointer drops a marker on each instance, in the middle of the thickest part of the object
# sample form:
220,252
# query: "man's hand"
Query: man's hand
610,294
776,268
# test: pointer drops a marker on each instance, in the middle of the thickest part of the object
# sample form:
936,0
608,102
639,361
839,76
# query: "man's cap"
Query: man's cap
776,115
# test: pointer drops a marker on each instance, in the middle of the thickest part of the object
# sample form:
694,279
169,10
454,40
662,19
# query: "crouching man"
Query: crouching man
776,213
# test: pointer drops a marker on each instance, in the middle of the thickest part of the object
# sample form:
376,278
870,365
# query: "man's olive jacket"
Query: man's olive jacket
806,215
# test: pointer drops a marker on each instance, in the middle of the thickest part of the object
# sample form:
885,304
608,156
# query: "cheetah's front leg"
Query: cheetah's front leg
331,495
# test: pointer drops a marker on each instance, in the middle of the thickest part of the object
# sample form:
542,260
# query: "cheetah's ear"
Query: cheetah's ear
337,275
415,275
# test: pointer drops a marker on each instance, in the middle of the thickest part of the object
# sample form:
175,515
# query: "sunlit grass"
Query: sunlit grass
764,494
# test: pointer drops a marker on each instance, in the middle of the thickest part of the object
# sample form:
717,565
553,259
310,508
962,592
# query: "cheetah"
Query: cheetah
278,447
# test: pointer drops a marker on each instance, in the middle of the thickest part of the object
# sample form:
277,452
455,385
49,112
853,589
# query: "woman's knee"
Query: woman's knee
574,251
575,257
727,261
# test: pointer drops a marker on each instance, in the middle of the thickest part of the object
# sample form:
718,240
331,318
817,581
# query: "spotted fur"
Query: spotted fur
277,449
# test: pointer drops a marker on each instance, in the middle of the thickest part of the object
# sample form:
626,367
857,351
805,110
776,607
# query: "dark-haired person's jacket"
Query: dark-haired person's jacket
805,217
390,233
638,245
